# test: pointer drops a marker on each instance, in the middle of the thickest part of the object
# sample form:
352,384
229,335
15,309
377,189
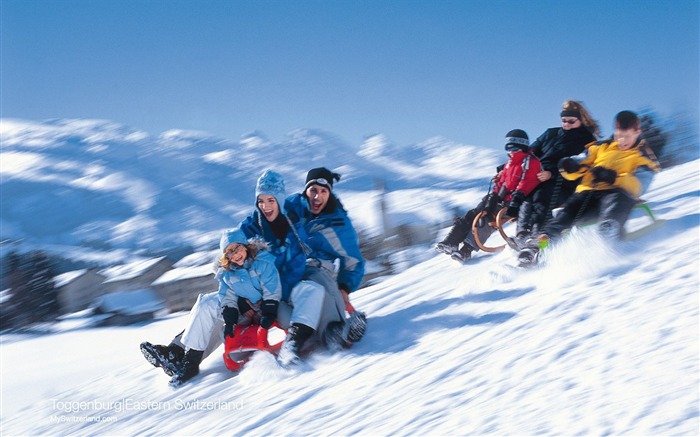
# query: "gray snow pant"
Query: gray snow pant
461,231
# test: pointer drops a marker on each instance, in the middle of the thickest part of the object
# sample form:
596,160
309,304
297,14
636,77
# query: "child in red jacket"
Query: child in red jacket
512,184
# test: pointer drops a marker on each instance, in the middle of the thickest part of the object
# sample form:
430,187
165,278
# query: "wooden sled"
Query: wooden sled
497,224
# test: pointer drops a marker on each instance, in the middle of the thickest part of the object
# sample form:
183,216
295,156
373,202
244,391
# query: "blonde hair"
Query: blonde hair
251,250
586,119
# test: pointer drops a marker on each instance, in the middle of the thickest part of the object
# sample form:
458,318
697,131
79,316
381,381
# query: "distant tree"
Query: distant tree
656,138
42,287
674,140
34,295
16,280
684,145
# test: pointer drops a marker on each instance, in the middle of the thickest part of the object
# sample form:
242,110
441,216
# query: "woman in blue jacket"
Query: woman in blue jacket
270,222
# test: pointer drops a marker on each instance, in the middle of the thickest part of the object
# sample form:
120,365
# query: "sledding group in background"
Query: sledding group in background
297,264
567,168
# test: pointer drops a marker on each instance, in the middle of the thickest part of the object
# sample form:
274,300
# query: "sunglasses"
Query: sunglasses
569,121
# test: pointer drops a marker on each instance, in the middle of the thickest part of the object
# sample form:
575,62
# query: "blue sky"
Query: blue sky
468,70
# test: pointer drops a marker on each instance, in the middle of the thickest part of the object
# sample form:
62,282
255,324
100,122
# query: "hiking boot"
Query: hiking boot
519,241
333,337
190,367
464,254
297,335
609,229
446,248
169,358
528,257
355,327
538,242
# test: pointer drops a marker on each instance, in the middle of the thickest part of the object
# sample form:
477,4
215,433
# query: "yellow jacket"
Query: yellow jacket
624,162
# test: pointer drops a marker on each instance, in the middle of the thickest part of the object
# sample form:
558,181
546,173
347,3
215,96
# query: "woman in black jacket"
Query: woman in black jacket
577,130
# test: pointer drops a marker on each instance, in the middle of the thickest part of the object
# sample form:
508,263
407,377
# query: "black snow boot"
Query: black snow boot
169,358
457,233
333,337
528,257
341,335
190,367
355,327
297,335
464,254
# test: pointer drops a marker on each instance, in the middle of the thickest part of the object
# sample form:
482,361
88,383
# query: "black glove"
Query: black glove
492,203
569,165
244,305
230,319
602,174
516,199
268,311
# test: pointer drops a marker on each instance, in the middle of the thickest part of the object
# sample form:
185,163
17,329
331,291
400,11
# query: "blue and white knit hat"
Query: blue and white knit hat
271,183
517,139
230,236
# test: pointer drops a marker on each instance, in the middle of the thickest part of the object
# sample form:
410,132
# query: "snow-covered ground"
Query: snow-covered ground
602,339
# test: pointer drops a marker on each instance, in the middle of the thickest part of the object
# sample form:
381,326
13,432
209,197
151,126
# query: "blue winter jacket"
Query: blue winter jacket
289,257
256,279
329,236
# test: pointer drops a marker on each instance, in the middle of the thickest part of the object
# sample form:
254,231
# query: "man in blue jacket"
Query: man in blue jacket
334,268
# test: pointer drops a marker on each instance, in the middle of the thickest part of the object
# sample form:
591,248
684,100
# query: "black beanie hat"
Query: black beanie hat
517,139
321,176
570,113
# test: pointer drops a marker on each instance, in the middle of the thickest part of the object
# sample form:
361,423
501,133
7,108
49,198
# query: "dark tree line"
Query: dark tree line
674,141
29,279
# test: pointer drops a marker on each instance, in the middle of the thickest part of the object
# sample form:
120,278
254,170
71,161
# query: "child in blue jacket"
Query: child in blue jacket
246,273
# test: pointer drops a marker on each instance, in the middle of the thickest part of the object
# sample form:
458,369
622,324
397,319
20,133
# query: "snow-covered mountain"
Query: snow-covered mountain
602,339
99,184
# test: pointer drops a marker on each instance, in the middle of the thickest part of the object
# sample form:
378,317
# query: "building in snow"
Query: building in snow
136,275
127,307
179,287
78,289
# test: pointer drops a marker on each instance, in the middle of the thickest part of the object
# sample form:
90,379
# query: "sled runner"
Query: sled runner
249,339
651,222
497,224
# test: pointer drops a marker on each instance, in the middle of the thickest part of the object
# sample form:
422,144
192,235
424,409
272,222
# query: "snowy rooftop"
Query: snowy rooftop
130,270
68,277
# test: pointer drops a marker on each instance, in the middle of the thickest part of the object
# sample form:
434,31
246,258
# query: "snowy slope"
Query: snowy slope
602,339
